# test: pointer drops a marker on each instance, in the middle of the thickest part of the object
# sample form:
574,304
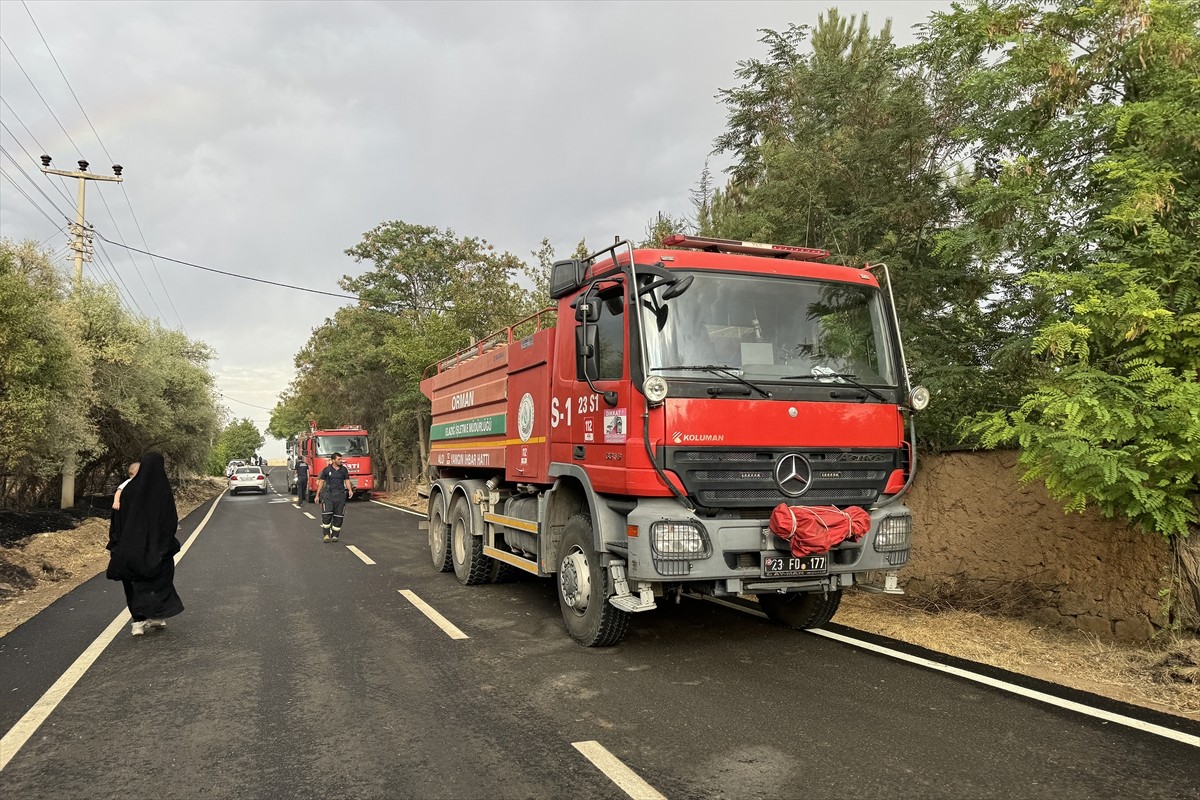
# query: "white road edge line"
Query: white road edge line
27,725
629,781
310,516
359,553
398,508
446,625
1033,694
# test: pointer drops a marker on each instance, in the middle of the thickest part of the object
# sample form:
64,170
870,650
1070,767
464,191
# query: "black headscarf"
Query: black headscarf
142,533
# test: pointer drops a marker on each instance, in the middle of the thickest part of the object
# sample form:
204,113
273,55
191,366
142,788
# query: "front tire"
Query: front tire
583,589
470,564
439,536
801,611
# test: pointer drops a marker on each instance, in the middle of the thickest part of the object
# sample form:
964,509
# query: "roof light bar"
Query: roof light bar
746,248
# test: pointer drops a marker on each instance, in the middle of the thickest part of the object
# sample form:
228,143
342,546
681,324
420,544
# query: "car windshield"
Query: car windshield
346,445
771,328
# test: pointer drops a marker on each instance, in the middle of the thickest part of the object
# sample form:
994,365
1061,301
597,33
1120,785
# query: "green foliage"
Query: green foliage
839,142
1083,124
81,375
427,294
239,439
44,370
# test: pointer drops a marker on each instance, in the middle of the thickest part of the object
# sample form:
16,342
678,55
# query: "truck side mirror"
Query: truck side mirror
566,277
586,362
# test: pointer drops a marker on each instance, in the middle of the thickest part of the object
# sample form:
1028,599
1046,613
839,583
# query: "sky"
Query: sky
265,138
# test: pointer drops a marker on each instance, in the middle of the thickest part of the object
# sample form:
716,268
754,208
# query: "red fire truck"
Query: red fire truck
316,447
634,440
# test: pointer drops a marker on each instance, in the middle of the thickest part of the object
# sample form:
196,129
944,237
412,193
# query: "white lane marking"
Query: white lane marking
438,619
359,553
398,508
630,782
296,506
310,516
1005,686
27,725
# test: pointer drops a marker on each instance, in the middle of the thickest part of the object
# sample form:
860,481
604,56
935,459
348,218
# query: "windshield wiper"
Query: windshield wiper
848,377
721,369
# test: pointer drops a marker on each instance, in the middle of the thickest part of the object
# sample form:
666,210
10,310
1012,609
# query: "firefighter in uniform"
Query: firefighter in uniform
333,490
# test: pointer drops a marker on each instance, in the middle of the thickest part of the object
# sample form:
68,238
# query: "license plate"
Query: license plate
793,567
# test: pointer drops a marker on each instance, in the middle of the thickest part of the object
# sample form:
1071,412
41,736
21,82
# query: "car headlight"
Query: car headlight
678,540
655,389
894,533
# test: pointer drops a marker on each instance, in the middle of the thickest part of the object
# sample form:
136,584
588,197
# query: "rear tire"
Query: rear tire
470,564
801,611
583,589
439,536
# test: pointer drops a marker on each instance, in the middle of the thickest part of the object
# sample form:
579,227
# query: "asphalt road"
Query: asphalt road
299,670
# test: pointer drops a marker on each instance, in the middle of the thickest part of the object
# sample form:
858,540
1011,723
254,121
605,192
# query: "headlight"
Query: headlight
918,398
894,534
678,540
655,389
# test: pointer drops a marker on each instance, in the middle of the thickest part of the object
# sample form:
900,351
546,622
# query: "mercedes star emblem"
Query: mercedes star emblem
793,474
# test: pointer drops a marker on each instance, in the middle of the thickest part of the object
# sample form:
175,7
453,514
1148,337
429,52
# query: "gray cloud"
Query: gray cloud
266,138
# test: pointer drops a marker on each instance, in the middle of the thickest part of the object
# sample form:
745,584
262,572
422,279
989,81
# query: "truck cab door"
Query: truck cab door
600,424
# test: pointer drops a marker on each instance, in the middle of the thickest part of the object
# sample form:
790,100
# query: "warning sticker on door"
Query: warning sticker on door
615,426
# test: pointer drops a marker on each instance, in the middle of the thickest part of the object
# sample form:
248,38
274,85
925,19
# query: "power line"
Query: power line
27,197
117,272
21,169
229,274
110,158
39,94
57,186
243,402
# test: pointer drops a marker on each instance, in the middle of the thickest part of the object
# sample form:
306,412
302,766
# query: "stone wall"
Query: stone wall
978,531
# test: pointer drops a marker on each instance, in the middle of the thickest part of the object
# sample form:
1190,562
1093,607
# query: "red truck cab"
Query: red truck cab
637,447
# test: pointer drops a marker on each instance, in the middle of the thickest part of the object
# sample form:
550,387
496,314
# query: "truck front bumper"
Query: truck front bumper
673,545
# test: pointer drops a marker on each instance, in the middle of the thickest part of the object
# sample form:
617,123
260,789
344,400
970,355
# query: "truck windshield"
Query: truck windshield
771,328
346,445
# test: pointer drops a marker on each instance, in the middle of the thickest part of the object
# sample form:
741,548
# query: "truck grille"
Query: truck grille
741,478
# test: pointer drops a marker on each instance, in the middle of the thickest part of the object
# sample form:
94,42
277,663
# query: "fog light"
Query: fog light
894,533
918,398
678,540
655,389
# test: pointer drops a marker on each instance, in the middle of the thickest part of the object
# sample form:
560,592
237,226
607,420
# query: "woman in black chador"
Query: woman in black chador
142,545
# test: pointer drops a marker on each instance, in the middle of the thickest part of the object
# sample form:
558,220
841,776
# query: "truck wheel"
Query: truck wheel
439,536
801,611
583,589
470,564
499,572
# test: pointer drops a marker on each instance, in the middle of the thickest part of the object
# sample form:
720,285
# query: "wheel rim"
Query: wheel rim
437,538
575,580
460,546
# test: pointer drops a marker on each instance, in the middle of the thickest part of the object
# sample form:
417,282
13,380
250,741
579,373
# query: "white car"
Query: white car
233,465
248,478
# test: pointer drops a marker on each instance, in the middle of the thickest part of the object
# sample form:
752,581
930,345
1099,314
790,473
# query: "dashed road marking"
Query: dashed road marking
629,781
359,553
27,725
426,609
310,516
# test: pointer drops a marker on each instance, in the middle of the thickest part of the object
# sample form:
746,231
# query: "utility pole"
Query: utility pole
82,241
80,229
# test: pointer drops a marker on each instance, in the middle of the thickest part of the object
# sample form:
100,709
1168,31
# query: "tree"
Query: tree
44,374
838,143
1083,123
239,439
